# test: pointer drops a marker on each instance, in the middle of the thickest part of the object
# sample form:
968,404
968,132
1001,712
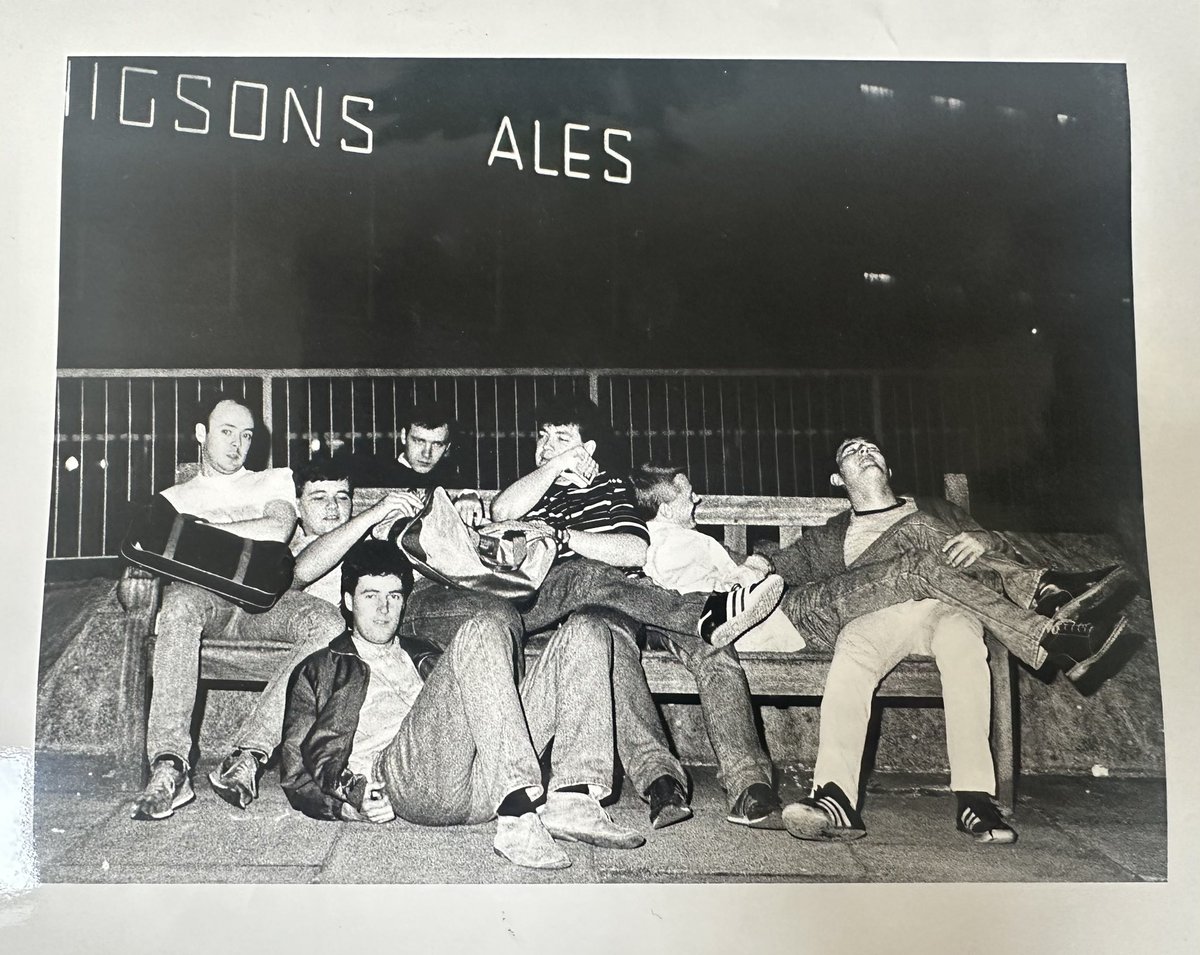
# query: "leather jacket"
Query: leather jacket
325,695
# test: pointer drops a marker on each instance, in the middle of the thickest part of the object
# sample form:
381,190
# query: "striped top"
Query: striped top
606,506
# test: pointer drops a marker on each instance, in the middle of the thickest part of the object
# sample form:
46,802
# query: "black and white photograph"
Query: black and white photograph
661,470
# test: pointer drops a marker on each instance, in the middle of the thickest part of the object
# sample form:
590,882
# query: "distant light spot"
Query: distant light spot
72,463
103,464
314,445
1033,331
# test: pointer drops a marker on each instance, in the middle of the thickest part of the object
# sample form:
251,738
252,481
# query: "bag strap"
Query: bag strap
243,561
173,539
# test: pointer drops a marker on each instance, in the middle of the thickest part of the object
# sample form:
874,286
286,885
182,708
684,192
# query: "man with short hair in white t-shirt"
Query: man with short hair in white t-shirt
253,504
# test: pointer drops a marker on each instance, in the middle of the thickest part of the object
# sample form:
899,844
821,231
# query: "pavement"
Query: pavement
1071,829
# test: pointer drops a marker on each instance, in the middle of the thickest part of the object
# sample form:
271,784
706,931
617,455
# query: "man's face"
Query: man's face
377,605
554,439
324,505
424,447
225,440
859,460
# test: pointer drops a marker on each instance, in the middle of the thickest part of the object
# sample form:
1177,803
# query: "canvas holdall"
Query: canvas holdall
253,574
508,559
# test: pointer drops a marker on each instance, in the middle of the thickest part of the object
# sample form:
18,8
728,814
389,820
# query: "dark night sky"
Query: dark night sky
761,192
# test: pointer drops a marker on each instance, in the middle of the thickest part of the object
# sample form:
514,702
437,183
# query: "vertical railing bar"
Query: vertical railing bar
687,435
594,387
795,488
374,422
58,439
353,426
496,418
516,426
667,405
154,435
724,436
478,468
308,425
629,400
812,463
395,423
82,442
268,416
129,448
931,456
775,433
649,426
704,429
331,432
104,481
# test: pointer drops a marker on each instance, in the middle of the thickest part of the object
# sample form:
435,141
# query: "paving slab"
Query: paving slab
208,833
707,846
977,863
62,820
1140,849
400,852
174,874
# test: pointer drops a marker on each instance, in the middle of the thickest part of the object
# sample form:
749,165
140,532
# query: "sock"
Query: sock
581,788
516,803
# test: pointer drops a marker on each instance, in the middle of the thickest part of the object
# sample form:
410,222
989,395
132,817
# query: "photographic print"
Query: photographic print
785,419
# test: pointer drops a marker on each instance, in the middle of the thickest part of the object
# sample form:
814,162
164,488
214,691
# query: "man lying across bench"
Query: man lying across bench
600,534
367,739
897,577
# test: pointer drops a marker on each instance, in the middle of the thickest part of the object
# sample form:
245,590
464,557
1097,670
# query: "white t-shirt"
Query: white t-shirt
690,562
225,498
865,529
391,692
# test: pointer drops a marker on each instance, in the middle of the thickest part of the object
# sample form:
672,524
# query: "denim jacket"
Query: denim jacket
325,695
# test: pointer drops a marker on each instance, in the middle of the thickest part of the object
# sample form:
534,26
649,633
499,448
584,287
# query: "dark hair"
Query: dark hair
578,410
322,467
373,558
654,485
206,406
430,413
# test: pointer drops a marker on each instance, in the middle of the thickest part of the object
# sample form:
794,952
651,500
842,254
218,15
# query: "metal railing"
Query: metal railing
121,433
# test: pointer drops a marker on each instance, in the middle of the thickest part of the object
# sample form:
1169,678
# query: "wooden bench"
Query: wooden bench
770,675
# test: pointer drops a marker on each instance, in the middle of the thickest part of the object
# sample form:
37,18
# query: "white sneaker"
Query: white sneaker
524,841
727,615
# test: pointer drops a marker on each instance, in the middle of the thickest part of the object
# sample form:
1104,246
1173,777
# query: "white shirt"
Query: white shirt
329,586
865,529
225,498
690,562
391,692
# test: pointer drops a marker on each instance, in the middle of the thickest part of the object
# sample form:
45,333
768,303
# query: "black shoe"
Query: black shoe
979,818
1077,645
757,807
825,816
236,779
1089,590
668,802
729,614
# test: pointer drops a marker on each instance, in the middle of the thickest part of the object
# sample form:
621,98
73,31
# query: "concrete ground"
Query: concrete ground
1072,829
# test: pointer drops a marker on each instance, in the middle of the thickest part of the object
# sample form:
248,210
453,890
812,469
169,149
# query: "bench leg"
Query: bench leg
1003,723
140,597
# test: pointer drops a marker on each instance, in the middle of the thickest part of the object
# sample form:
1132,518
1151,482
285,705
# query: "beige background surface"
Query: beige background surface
1159,42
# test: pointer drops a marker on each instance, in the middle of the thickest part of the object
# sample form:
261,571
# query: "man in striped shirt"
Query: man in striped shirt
601,535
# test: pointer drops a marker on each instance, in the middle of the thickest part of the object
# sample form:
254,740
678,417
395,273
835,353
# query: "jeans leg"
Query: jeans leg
866,650
437,613
306,623
464,745
923,531
580,582
825,607
958,647
641,739
187,613
567,696
727,711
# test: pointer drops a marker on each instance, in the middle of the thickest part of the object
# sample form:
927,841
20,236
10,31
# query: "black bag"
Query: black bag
253,574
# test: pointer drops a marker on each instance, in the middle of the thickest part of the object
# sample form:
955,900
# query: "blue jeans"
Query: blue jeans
473,736
906,563
191,617
436,613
